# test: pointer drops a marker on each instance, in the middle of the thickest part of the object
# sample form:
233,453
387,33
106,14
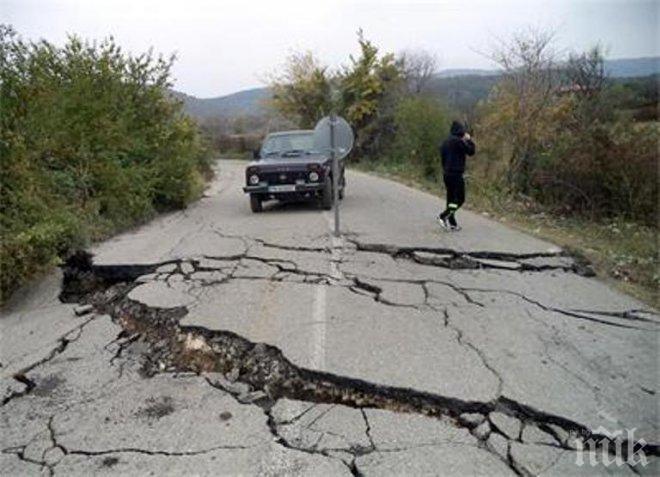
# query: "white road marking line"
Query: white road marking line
319,330
335,257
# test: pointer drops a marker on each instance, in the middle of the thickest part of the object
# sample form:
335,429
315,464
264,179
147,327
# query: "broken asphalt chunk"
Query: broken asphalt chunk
482,430
508,425
83,310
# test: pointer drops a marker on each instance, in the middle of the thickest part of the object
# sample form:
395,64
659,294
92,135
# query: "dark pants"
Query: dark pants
455,186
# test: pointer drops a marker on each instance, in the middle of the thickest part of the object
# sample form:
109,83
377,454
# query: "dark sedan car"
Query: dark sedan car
287,168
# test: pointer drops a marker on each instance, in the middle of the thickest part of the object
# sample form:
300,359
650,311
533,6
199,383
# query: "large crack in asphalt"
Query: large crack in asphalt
270,376
455,259
173,347
21,376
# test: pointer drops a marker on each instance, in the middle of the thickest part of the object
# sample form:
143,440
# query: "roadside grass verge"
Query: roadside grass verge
623,253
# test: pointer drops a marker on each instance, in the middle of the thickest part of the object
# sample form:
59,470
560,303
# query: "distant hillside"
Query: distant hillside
631,67
460,87
464,91
619,68
454,72
243,103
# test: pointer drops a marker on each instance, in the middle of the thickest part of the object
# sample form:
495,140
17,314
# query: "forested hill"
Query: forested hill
243,103
459,86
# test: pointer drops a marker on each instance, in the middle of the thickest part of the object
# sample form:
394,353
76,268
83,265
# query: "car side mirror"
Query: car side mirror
256,154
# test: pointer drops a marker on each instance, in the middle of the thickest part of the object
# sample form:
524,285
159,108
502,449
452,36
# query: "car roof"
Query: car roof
295,131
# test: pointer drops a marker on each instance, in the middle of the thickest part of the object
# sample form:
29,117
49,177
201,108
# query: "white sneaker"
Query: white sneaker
443,223
455,228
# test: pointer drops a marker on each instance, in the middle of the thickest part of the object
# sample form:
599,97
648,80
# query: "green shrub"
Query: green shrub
90,142
421,124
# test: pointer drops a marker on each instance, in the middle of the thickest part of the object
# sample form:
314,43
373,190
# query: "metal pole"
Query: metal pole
335,173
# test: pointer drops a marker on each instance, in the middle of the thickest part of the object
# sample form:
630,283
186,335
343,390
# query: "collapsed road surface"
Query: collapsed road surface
217,341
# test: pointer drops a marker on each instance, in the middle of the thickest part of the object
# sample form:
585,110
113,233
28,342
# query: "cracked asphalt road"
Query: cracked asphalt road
224,342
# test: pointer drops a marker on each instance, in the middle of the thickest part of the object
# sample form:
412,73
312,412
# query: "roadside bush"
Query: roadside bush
90,142
606,170
421,123
560,137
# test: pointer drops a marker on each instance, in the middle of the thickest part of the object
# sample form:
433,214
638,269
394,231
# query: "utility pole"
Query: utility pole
334,135
335,172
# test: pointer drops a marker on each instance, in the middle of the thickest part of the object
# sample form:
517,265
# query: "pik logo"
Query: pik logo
611,447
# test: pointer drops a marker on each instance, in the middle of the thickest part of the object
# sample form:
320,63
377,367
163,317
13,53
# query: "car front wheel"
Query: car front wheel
255,203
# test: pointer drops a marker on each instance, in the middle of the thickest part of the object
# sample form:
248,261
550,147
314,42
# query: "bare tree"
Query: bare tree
586,72
528,60
529,83
419,66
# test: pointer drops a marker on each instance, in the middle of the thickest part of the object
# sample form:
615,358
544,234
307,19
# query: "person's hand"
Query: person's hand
466,137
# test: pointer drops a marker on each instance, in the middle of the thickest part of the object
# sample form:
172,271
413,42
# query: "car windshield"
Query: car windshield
288,144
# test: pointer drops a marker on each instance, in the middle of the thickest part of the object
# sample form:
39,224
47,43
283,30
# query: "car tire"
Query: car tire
326,195
255,203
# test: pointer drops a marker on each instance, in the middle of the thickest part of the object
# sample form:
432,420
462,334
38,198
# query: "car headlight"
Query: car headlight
313,176
254,179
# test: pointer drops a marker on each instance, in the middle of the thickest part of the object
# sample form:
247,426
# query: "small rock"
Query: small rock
169,268
560,432
209,277
499,263
574,441
499,444
427,258
146,278
463,261
187,268
233,387
534,435
83,310
252,397
510,426
472,418
482,430
233,374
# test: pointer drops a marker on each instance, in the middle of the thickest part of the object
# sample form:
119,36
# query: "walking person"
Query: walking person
453,151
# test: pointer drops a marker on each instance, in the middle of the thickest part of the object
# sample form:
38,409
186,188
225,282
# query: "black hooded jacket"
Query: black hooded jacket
454,149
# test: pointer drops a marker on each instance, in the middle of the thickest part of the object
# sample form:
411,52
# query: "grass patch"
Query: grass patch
623,253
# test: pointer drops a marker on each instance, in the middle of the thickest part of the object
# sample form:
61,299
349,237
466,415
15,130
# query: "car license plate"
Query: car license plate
282,188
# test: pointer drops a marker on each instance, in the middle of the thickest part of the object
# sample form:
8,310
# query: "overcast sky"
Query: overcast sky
226,46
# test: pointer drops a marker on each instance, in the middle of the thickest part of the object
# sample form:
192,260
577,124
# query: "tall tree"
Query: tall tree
418,68
524,98
368,89
302,92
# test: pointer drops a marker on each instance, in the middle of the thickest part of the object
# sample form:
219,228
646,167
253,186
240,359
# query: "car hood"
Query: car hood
283,164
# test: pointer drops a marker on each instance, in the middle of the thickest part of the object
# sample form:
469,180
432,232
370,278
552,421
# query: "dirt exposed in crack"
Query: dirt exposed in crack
174,347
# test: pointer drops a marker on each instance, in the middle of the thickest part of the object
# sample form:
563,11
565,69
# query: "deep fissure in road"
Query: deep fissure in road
178,348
